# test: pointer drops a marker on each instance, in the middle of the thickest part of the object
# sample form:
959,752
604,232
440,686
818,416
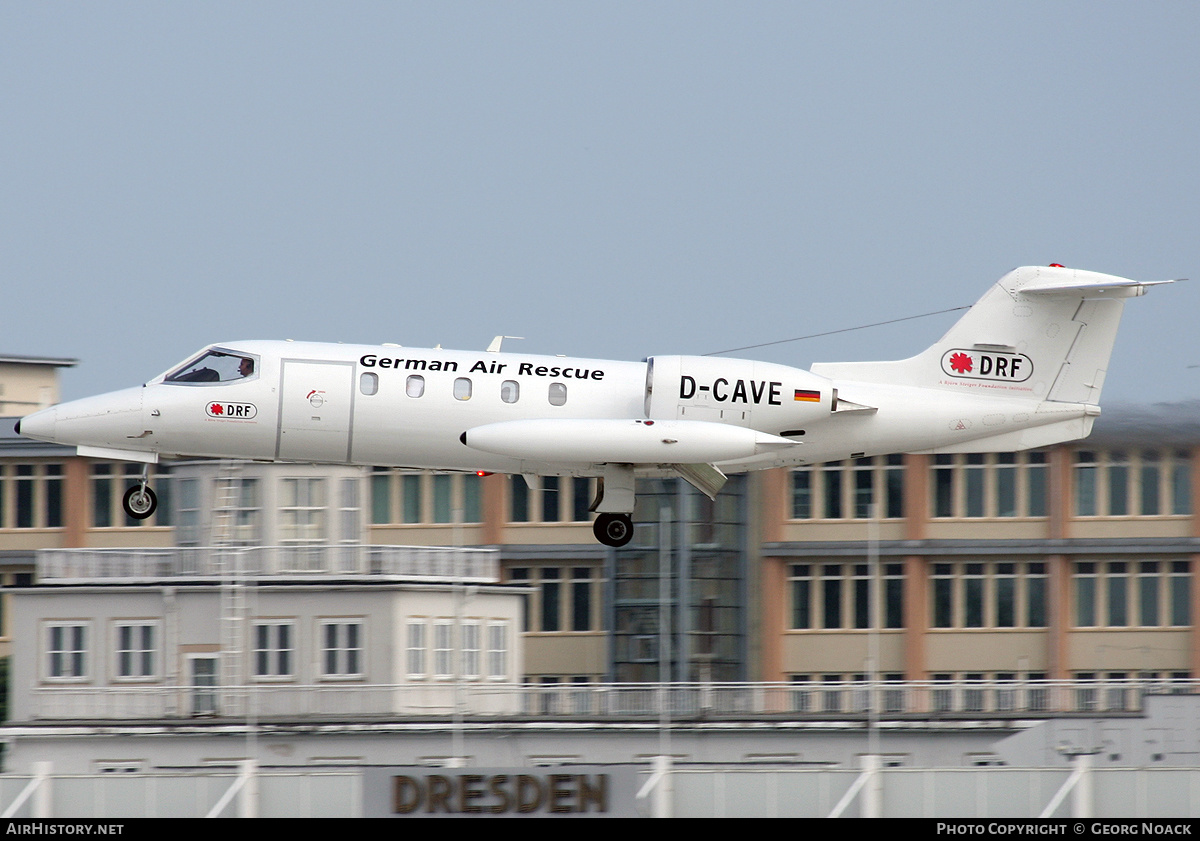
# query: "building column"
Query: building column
495,504
76,503
916,567
772,511
1058,601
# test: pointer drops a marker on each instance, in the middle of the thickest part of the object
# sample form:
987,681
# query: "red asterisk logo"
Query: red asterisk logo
961,363
217,409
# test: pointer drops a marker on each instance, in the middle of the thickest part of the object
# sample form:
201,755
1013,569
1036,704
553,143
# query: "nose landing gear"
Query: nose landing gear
140,501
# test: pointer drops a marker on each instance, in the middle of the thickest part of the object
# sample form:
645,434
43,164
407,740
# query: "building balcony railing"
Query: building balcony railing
296,561
850,700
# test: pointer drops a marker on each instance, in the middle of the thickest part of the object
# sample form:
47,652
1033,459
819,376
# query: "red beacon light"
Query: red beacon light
1057,266
483,473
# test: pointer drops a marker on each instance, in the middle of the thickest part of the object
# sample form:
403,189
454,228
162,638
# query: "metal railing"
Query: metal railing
409,563
847,700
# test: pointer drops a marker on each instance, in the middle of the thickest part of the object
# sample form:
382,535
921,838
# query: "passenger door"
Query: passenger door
316,401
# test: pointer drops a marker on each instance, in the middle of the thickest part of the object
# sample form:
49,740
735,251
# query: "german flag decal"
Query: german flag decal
805,396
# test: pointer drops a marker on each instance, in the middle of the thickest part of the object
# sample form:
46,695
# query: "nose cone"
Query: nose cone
107,420
40,425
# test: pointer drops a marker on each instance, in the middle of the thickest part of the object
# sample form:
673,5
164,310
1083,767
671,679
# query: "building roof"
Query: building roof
56,361
1147,424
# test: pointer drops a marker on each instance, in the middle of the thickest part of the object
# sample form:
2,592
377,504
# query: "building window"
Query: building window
551,599
102,495
416,643
831,595
519,500
443,649
274,648
302,511
581,499
989,485
342,648
66,651
581,599
36,494
1180,593
497,653
802,501
565,599
994,594
471,647
549,502
550,512
943,595
381,496
188,532
245,518
442,502
472,497
24,496
1119,594
424,497
838,583
412,498
849,489
136,651
108,485
802,589
1145,483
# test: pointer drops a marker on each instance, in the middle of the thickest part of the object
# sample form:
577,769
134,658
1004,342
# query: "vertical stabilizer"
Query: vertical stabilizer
1044,333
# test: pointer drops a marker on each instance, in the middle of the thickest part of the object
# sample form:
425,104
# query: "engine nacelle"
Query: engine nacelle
761,395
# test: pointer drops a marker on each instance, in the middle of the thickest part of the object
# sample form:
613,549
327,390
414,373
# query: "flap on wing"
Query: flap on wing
706,478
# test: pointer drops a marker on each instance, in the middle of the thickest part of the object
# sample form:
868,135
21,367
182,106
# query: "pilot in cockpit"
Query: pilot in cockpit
214,366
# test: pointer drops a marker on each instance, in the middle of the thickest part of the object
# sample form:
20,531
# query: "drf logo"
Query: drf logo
236,411
987,365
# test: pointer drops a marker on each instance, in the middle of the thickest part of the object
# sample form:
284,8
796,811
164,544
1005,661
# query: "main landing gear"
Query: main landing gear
140,501
613,529
613,506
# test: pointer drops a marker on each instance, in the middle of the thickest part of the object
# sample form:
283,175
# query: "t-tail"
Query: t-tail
1042,335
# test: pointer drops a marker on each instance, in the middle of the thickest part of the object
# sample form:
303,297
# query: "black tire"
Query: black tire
614,530
139,503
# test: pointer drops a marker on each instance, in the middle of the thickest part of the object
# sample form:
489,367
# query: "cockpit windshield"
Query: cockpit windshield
214,366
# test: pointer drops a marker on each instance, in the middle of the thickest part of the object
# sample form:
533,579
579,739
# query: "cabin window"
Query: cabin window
368,383
462,388
415,386
558,394
510,391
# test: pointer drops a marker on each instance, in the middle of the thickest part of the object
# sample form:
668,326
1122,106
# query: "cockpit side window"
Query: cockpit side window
215,366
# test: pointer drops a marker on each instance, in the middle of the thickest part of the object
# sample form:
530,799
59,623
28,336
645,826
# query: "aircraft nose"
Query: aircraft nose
40,425
17,426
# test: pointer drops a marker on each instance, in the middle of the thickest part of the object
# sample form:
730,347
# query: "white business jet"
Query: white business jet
1022,368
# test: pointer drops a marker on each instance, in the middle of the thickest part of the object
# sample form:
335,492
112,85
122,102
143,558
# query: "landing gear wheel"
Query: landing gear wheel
613,529
140,502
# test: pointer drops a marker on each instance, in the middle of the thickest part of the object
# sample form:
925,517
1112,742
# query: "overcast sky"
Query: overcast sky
606,179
